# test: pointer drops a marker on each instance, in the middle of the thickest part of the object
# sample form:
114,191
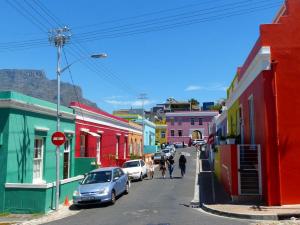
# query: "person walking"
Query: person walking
170,163
151,169
162,166
182,162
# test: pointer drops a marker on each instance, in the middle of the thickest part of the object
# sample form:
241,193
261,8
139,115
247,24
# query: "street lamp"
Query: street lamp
59,72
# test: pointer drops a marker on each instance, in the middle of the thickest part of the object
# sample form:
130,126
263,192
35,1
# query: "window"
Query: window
172,133
82,146
117,147
125,147
179,121
142,163
180,133
38,159
163,134
200,121
98,147
66,168
192,121
172,121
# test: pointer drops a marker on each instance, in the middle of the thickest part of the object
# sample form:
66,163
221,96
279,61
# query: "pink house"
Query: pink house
184,126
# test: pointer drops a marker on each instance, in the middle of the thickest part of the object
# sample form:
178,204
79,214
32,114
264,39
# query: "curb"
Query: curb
239,215
195,203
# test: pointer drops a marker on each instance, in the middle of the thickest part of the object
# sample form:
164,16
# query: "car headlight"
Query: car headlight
103,191
76,193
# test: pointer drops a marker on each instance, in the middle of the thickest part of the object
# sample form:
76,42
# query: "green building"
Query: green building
27,156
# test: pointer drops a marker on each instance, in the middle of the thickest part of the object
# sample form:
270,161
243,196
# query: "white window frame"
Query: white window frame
117,147
98,150
68,150
125,146
163,134
36,180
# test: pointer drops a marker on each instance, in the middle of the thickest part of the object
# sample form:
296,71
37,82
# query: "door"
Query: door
117,181
144,168
122,180
249,170
66,164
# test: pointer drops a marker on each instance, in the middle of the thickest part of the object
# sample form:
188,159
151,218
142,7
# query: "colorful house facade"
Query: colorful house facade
161,132
27,159
149,131
101,138
185,126
262,106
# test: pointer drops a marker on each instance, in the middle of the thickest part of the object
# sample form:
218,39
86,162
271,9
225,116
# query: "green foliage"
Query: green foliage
194,101
132,156
216,107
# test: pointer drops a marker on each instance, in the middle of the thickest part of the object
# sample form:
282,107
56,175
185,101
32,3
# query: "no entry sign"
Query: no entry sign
58,138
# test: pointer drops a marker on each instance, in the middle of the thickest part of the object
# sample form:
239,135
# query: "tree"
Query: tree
194,102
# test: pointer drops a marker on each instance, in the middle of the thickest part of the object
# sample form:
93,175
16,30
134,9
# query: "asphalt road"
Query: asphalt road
154,202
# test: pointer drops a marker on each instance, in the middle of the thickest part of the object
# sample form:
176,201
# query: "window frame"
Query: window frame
41,158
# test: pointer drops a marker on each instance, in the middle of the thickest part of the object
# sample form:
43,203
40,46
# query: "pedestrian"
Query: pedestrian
182,162
162,166
151,169
170,163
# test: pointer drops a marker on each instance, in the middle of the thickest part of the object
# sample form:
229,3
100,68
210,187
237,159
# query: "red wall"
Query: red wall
276,102
229,172
108,143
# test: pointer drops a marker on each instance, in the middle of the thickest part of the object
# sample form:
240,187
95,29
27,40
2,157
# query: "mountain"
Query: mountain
35,83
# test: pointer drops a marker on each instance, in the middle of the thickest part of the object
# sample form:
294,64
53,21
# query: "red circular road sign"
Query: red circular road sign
58,138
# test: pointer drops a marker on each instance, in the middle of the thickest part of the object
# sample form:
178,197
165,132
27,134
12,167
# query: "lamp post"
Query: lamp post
60,37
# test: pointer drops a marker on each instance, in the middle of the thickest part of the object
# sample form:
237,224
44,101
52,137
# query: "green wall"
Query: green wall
4,124
84,165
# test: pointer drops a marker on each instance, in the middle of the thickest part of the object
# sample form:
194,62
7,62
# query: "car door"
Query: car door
144,168
116,180
122,180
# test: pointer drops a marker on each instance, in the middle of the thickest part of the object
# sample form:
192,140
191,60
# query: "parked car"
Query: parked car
136,169
198,142
156,157
101,185
166,152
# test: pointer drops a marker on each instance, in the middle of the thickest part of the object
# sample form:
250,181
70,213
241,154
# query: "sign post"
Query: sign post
58,138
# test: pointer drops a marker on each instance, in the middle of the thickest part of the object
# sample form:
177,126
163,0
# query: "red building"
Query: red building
265,98
100,137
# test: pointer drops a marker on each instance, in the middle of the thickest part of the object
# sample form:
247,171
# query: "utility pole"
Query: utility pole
143,97
59,37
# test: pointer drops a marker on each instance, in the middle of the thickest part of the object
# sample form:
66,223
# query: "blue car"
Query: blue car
101,185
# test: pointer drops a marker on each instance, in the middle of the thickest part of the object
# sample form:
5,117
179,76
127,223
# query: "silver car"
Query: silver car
101,185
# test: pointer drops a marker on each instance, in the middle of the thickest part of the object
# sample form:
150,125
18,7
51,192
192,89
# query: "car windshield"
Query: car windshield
131,164
157,154
97,177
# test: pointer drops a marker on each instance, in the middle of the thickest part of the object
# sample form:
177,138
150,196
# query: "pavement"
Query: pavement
214,199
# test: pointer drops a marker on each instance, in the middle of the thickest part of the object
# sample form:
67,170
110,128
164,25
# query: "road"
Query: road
154,202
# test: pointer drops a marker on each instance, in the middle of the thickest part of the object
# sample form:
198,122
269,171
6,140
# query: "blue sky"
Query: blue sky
193,61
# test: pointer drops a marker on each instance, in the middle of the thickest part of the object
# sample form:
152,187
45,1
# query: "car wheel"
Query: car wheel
127,188
141,177
113,197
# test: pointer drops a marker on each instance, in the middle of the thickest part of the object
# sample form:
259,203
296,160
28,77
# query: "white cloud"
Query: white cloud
210,87
192,88
136,103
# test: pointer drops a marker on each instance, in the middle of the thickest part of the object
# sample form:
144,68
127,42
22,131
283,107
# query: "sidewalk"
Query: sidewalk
221,204
34,219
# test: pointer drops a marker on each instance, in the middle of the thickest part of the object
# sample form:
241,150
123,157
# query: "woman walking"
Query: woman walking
182,162
162,166
151,169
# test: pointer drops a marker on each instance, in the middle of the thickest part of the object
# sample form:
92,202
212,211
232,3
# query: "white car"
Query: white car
166,152
136,169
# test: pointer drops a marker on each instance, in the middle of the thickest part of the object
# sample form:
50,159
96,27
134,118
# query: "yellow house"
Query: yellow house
161,132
